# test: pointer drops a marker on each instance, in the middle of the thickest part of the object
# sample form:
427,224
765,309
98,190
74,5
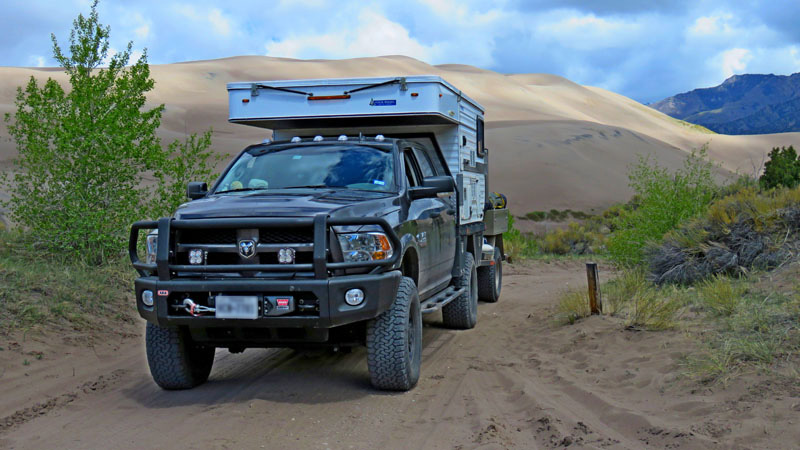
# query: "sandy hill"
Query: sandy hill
554,143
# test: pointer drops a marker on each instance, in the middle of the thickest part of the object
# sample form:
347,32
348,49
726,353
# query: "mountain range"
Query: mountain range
742,104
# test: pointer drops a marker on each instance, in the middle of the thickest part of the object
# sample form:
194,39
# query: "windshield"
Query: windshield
339,166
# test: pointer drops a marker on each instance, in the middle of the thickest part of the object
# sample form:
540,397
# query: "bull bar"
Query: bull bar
320,266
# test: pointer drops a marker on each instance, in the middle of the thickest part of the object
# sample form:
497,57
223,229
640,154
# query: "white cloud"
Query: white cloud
710,25
219,23
735,61
372,35
142,32
589,32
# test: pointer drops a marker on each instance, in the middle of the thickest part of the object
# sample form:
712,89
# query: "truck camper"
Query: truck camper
366,208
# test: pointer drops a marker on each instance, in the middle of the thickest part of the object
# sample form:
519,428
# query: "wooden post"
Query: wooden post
595,302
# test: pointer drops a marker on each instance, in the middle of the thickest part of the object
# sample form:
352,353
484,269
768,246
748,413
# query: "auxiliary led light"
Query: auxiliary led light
354,297
195,256
286,256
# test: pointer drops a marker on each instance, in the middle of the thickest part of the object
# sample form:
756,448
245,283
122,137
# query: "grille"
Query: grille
266,236
285,235
208,236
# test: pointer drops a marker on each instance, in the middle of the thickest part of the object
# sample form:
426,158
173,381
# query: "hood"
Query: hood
337,203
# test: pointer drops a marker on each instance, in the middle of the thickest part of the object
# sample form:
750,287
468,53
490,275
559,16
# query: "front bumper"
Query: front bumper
379,290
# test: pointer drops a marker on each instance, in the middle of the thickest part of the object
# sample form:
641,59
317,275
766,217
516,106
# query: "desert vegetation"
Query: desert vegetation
89,164
717,262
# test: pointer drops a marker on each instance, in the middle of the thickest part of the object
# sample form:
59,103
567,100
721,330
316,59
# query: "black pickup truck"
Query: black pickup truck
333,242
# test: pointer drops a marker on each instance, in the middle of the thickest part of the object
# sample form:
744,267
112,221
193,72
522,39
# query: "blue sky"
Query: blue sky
646,50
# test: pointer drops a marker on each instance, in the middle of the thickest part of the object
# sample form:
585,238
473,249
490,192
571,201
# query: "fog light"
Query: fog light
195,256
354,297
147,298
286,256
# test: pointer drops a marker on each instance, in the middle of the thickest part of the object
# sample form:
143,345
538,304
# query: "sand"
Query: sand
515,381
554,143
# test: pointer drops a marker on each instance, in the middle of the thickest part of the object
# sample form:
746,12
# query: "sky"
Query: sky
646,50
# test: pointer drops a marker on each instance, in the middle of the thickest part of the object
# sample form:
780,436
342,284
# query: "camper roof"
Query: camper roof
347,102
353,81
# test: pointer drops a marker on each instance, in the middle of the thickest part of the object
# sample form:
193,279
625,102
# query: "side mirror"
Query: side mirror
196,189
433,186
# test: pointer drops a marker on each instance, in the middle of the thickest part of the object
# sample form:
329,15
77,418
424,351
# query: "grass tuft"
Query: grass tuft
37,290
573,305
720,295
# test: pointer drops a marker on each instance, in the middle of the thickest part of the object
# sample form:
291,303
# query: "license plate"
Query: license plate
237,307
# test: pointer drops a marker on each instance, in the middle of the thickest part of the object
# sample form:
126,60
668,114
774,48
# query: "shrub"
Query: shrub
84,150
572,306
516,244
536,216
761,331
618,293
664,200
651,309
782,169
574,239
745,230
721,295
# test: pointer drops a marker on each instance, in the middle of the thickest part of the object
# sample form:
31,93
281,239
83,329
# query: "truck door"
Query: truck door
421,225
442,211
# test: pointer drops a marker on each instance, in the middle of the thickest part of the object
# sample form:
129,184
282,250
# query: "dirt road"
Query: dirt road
516,381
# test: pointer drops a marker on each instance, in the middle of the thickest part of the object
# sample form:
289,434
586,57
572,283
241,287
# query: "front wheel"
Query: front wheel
462,313
176,362
394,341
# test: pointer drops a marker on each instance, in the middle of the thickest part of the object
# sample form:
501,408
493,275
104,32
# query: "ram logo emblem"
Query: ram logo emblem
247,248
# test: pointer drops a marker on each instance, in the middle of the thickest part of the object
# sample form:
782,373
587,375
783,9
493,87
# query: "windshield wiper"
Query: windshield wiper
240,190
315,186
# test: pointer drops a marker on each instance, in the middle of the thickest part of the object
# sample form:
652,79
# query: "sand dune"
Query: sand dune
554,143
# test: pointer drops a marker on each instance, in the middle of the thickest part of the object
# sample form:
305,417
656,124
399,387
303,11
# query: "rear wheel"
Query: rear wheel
176,362
490,279
394,341
462,313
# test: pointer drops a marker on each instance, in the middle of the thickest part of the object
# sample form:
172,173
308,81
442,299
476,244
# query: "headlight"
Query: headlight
151,244
357,247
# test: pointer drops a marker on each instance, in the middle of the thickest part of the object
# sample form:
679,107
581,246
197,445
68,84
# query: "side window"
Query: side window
424,162
412,173
479,137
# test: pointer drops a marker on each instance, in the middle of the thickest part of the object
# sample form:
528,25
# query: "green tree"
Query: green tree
782,169
189,160
85,151
664,200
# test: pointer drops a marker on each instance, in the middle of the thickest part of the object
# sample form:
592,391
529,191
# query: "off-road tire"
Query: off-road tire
175,361
490,279
394,342
462,313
